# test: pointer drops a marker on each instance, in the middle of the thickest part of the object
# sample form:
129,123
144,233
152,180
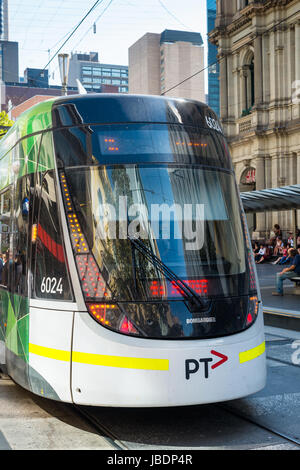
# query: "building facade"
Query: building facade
168,64
259,54
36,77
20,96
93,75
213,66
9,61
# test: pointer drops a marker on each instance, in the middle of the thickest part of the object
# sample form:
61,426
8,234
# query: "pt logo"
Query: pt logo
192,366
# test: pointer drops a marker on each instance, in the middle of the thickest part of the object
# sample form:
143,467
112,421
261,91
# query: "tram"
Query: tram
127,274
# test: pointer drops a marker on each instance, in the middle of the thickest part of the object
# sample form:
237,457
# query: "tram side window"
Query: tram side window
51,277
73,146
6,240
23,202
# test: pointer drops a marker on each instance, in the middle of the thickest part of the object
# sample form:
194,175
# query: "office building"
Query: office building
9,61
168,63
36,77
93,75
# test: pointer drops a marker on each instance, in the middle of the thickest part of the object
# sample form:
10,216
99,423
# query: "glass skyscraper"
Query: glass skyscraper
213,69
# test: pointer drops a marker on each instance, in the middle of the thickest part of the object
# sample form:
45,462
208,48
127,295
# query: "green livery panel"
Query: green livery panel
19,149
26,153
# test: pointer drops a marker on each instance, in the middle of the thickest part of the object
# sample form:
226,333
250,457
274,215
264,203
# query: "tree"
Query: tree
5,123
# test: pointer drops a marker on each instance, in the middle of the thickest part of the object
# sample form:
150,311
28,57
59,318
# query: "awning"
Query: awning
275,199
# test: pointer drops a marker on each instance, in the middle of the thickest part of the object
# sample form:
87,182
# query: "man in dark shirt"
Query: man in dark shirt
288,273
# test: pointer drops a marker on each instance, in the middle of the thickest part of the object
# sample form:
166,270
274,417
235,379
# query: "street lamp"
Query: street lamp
64,62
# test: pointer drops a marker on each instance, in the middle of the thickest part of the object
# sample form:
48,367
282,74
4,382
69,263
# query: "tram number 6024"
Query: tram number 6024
51,285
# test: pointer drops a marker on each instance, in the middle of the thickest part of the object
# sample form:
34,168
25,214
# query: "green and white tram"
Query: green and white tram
127,271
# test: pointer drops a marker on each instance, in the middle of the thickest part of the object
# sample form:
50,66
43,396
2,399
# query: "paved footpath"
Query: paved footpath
28,422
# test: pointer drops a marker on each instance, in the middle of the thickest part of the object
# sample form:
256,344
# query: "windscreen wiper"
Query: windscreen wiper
195,302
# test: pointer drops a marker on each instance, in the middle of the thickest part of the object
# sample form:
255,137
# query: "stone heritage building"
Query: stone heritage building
259,53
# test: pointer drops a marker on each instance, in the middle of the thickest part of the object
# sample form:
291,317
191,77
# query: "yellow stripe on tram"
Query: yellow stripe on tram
101,360
121,362
246,356
50,353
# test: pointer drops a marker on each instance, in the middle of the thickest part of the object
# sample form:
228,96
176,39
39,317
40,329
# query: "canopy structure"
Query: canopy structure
274,199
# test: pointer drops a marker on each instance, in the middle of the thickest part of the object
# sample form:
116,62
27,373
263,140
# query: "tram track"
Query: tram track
256,422
251,420
101,429
112,438
114,441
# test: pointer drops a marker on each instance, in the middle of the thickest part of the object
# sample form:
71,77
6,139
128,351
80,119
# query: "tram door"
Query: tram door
51,311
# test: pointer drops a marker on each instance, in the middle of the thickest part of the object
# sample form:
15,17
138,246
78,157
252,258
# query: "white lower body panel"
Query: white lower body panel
109,369
50,341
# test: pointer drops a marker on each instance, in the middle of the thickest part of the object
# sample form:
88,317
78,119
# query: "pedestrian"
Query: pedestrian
288,273
291,239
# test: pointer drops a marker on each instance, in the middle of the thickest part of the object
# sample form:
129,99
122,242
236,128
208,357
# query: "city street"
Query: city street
268,420
149,182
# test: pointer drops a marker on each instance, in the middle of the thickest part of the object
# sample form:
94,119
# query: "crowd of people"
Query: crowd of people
280,251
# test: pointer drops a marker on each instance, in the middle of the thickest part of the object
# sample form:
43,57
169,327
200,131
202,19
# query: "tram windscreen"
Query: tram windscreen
188,216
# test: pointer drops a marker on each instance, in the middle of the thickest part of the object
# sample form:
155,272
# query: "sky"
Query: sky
41,26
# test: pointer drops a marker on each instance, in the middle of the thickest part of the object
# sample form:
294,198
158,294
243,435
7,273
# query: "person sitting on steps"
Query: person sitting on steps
288,273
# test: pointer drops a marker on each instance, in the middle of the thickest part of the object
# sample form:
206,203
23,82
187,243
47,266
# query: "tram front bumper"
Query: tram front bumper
109,369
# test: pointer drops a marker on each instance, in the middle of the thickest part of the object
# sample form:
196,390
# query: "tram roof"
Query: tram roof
102,108
275,199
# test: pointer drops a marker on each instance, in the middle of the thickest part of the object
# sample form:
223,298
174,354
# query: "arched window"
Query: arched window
248,87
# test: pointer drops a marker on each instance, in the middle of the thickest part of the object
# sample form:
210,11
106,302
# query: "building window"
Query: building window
242,4
248,87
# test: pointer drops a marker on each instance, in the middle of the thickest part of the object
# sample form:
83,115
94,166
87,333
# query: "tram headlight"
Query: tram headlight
111,316
252,310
